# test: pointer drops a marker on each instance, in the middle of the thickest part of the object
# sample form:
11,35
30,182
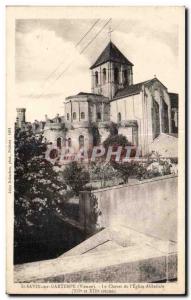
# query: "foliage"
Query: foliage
103,173
100,170
152,156
95,213
159,168
38,188
126,169
76,177
174,160
112,128
116,140
95,133
141,170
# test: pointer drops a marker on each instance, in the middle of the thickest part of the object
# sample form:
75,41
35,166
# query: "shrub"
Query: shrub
126,169
116,140
112,128
174,160
76,177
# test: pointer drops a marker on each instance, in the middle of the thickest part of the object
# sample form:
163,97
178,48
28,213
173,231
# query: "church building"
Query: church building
143,111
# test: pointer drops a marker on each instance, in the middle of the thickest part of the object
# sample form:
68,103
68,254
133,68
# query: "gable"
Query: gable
136,88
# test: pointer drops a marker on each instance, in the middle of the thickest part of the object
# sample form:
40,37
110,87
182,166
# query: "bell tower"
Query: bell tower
21,117
111,71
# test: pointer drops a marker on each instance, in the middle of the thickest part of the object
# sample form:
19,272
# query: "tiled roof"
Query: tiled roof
111,53
132,89
77,97
91,94
174,100
90,97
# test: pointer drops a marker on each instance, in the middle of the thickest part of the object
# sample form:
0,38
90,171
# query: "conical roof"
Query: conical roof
111,53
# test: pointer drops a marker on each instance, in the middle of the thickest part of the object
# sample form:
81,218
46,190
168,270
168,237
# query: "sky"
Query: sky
50,64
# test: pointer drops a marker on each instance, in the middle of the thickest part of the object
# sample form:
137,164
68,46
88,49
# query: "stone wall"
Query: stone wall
111,255
150,206
138,250
115,267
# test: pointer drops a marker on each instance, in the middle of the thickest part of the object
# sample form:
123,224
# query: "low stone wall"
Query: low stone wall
126,265
141,254
150,206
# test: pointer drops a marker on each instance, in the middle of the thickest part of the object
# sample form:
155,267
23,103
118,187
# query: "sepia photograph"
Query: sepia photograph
95,150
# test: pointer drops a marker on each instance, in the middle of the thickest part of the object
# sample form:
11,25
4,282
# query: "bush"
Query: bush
76,177
174,160
112,128
116,140
125,169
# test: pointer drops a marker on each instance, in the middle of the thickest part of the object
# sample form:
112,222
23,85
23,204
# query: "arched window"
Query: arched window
74,115
116,75
104,75
125,77
59,142
81,141
119,117
69,142
155,116
68,116
96,78
164,117
99,116
82,115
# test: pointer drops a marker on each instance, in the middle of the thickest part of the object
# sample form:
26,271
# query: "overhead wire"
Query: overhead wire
63,61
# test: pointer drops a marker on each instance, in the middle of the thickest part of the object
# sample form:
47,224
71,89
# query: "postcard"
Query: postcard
95,150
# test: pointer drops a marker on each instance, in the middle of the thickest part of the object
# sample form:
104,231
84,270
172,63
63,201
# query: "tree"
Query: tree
112,128
116,140
95,132
131,168
125,169
76,177
103,173
38,188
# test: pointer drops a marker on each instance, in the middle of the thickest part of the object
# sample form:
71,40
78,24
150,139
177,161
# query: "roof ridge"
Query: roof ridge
131,89
111,53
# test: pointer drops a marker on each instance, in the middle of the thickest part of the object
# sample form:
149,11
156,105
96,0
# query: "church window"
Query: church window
116,75
69,142
68,116
164,117
155,119
96,78
104,75
125,76
82,115
99,116
74,115
119,117
59,142
81,141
